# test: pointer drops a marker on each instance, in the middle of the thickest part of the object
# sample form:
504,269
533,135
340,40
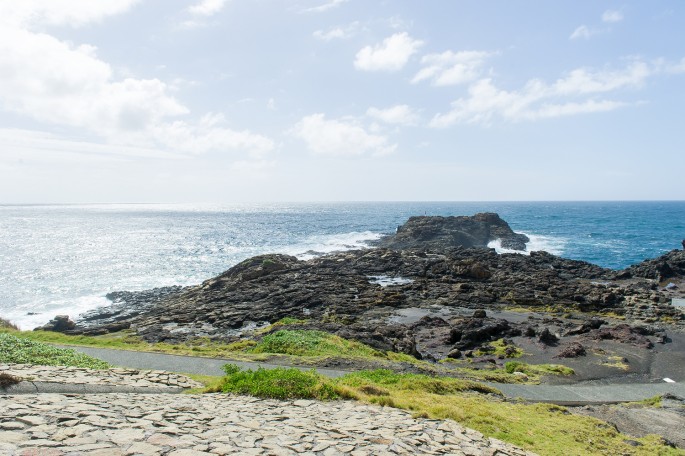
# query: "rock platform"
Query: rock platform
101,377
218,424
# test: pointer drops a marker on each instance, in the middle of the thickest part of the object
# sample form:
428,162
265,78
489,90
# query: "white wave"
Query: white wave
386,281
549,244
42,313
322,244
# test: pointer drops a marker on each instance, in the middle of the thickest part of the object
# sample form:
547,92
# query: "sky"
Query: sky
221,101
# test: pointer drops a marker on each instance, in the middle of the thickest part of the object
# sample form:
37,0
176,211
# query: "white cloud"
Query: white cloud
399,114
207,7
339,138
452,68
537,100
611,16
60,83
17,144
583,32
60,12
325,7
390,55
337,32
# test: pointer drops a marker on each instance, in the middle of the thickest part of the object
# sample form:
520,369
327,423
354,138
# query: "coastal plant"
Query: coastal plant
24,351
500,347
312,343
537,369
384,378
279,383
8,380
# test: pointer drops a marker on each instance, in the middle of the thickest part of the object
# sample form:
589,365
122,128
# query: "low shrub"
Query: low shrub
8,380
279,383
24,351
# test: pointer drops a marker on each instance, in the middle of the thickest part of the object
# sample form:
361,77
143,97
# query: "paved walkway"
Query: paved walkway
557,394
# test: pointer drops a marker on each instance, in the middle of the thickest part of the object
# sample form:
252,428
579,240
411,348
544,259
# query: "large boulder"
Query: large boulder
435,232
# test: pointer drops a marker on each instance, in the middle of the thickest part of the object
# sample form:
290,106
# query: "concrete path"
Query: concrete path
590,394
182,364
556,394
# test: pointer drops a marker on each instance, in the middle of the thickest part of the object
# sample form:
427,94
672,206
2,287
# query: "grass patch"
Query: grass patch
127,340
23,351
542,428
279,383
617,362
500,348
313,343
538,369
656,402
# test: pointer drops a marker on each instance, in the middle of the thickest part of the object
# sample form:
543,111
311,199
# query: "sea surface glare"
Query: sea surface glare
63,259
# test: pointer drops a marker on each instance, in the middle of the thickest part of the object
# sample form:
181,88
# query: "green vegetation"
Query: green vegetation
655,402
23,351
312,343
500,348
545,429
280,383
618,362
538,369
126,340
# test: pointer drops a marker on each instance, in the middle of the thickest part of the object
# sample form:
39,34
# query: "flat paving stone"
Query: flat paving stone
215,424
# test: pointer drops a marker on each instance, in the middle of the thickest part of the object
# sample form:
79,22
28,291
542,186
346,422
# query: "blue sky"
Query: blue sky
338,100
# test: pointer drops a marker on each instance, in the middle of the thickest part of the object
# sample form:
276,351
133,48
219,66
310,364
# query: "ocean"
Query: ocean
63,259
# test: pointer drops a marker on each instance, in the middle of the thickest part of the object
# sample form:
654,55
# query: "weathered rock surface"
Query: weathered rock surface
217,424
359,295
448,232
60,323
114,376
336,291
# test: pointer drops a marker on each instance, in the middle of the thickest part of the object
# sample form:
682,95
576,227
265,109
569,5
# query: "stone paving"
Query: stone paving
114,377
213,424
218,424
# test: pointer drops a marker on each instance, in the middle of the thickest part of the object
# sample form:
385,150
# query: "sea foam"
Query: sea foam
549,244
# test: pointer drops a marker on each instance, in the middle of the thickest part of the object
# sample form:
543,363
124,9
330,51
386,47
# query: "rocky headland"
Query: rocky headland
432,290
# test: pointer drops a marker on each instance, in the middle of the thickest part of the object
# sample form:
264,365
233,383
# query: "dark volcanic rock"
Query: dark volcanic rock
60,323
666,266
572,350
624,333
436,232
335,293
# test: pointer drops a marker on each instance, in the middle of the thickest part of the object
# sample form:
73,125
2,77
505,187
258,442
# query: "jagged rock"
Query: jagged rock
572,350
624,333
448,232
334,293
60,323
586,327
480,313
546,337
454,354
665,267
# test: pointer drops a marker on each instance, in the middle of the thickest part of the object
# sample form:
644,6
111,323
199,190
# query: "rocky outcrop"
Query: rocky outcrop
335,293
665,267
433,232
61,323
423,271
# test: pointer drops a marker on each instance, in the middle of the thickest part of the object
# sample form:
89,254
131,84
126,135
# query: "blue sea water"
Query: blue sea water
65,258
